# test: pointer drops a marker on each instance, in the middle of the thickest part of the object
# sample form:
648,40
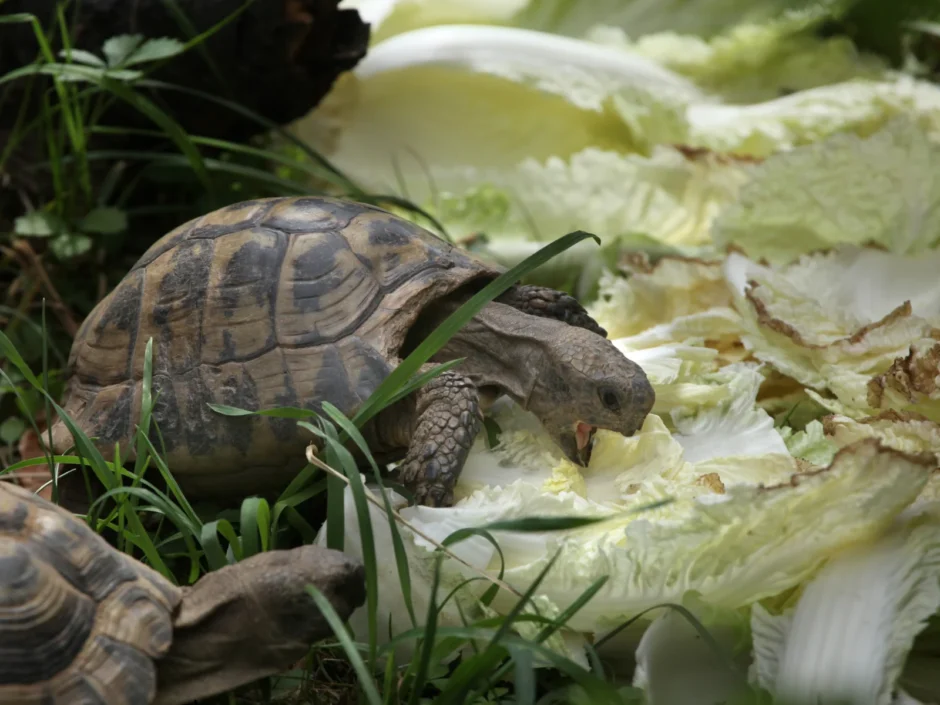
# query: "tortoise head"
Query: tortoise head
255,618
587,383
278,583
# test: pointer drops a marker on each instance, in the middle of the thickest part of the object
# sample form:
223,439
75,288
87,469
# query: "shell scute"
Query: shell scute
13,514
109,333
306,214
325,291
77,553
273,385
111,411
344,373
135,614
202,428
44,620
172,308
79,621
112,673
228,385
163,245
393,249
239,307
230,219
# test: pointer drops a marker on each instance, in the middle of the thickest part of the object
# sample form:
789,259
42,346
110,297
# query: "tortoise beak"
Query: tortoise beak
583,433
576,443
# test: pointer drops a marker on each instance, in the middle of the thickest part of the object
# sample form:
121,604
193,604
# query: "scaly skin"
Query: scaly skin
446,421
549,303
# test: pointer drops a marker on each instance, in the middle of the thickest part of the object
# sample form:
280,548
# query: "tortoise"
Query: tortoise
82,623
292,301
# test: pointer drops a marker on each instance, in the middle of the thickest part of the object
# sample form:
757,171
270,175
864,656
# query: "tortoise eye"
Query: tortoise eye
610,398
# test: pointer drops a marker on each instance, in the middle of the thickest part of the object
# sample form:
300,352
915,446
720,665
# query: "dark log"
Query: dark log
278,58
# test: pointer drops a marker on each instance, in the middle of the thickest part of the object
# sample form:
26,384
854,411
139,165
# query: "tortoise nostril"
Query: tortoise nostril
642,400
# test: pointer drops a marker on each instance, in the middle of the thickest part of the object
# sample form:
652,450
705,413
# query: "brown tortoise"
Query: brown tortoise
293,301
84,624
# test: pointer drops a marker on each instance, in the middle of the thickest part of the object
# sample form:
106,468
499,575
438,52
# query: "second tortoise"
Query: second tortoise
82,623
296,301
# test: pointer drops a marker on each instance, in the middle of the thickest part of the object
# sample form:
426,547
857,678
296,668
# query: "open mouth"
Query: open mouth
583,438
583,433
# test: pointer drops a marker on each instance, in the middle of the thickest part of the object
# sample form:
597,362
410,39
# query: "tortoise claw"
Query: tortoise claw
434,495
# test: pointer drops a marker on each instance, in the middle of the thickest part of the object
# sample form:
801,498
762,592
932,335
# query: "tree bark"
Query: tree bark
278,58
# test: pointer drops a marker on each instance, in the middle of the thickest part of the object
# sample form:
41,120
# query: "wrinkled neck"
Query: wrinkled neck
505,349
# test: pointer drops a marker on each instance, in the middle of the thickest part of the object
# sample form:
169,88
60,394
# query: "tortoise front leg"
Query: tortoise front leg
550,303
444,421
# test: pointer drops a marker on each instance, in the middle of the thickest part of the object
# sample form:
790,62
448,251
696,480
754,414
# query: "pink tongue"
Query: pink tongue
582,433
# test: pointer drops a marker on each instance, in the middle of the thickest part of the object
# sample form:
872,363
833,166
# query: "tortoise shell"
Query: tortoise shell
80,622
266,303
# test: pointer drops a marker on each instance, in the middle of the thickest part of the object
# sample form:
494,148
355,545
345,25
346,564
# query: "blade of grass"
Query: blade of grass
524,680
73,114
253,525
45,385
197,41
146,410
281,412
595,688
334,175
35,327
427,643
538,524
389,687
70,122
337,453
142,459
335,509
136,532
211,546
32,462
365,678
401,557
171,482
230,535
157,500
521,603
484,629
